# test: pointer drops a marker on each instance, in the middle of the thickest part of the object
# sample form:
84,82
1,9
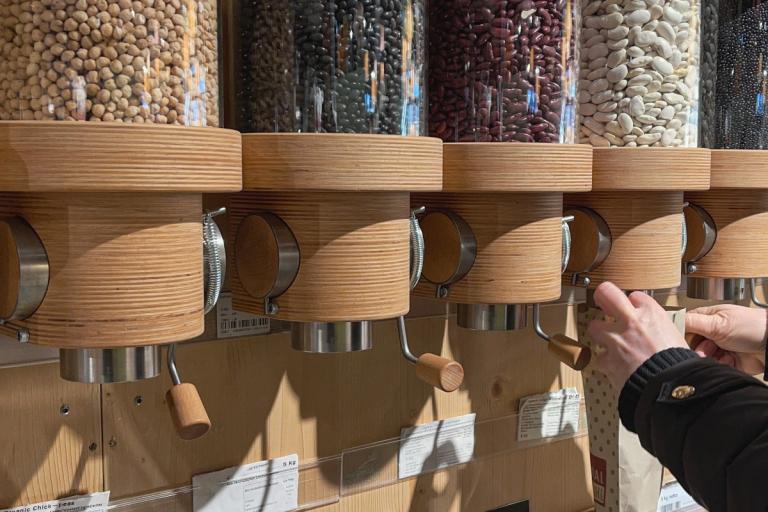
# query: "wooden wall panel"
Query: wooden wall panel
266,400
46,455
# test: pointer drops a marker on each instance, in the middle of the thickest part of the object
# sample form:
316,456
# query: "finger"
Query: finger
613,302
706,348
750,364
705,325
642,300
603,335
727,359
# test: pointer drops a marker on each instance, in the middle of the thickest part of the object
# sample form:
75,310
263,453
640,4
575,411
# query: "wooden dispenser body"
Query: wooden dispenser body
511,196
346,200
519,246
118,210
354,254
639,194
738,205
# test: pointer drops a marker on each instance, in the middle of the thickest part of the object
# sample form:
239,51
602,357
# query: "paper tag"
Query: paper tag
436,445
673,498
231,323
266,486
549,415
97,502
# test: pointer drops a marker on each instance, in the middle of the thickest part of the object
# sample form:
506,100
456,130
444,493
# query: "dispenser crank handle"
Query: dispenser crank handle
569,351
437,371
187,409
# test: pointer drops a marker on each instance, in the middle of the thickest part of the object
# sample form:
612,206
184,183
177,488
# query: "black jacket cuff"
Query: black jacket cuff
633,388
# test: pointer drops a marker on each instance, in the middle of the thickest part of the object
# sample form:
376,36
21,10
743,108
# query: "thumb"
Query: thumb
709,326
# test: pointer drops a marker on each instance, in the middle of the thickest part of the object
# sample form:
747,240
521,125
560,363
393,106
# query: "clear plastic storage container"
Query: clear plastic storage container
140,61
503,70
329,66
639,78
736,78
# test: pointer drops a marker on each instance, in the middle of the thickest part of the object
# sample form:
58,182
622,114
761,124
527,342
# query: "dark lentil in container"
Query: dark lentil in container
741,121
503,70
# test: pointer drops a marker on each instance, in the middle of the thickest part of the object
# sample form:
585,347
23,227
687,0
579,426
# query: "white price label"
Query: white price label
673,498
231,323
97,502
267,486
432,446
549,415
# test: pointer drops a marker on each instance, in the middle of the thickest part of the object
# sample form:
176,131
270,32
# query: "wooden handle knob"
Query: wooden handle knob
187,411
440,372
570,351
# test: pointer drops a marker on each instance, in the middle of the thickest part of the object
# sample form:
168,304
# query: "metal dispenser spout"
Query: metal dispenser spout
111,365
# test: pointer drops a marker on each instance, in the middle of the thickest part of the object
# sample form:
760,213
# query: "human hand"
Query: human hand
733,335
640,328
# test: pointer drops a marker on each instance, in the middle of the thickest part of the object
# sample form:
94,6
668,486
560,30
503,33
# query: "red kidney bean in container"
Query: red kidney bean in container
503,70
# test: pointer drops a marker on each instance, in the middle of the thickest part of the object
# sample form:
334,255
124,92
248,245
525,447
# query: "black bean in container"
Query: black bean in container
330,66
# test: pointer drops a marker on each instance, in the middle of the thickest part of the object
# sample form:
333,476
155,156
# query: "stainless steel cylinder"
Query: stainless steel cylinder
109,366
714,288
332,337
492,317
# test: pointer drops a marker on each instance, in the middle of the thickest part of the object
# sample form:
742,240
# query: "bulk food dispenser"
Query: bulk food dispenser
330,98
502,96
108,136
638,101
727,224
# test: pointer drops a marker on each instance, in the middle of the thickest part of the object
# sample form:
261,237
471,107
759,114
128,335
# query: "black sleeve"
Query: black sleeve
707,423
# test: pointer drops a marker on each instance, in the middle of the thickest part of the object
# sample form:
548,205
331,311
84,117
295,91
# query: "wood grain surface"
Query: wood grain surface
125,269
46,454
649,169
741,247
352,162
516,167
267,400
646,231
739,168
61,156
519,246
354,254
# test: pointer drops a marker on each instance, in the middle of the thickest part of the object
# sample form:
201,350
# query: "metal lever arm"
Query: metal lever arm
567,350
187,410
437,371
440,372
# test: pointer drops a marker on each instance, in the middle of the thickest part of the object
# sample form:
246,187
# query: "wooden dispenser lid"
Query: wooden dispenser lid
651,169
740,168
341,162
72,156
517,167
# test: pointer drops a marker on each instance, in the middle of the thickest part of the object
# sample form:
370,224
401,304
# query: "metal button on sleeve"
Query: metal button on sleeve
683,392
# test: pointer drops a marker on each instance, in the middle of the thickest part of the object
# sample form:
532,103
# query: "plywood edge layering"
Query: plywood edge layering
662,169
646,231
741,248
517,167
519,246
61,156
125,269
739,169
354,254
353,162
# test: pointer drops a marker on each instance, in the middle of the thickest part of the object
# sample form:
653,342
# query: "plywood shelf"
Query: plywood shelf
739,169
651,169
341,162
517,167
